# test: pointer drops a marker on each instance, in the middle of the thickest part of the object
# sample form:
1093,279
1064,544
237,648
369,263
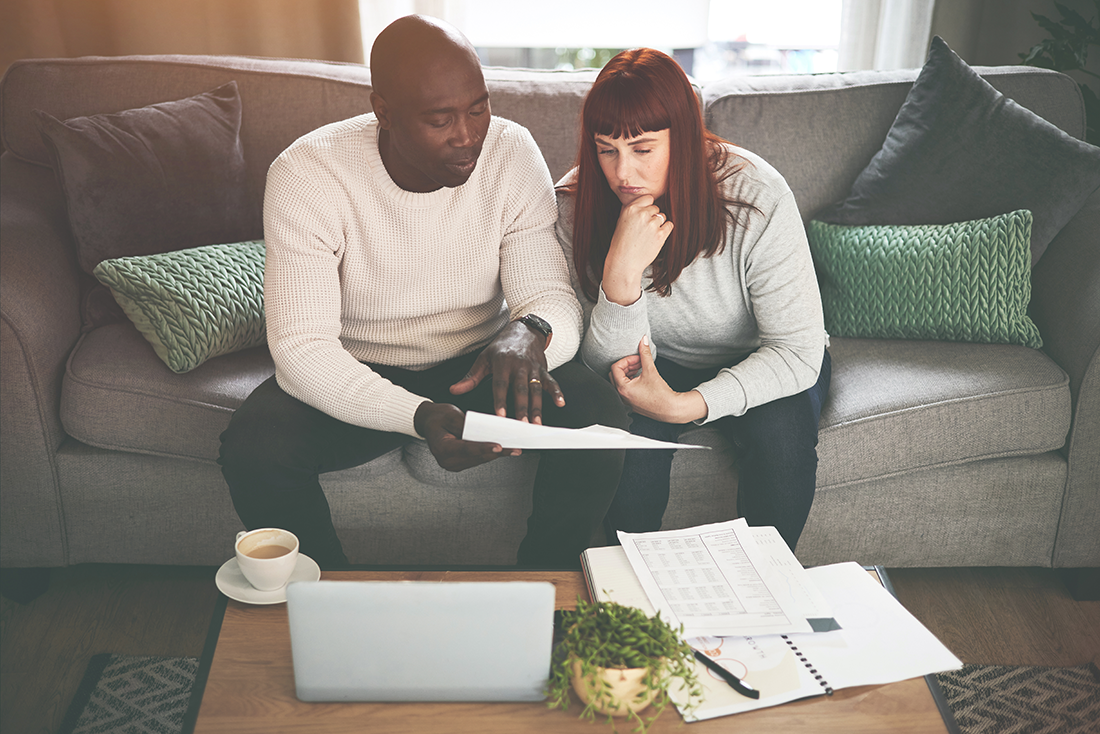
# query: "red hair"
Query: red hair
643,90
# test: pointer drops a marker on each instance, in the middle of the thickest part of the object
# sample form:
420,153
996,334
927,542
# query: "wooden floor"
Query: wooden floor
995,616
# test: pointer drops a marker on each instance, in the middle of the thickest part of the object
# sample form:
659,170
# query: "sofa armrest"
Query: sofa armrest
39,324
1065,304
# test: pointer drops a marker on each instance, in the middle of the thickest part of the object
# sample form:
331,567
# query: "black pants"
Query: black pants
276,447
777,472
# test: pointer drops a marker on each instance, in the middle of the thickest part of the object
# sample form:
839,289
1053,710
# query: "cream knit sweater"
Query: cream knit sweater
360,270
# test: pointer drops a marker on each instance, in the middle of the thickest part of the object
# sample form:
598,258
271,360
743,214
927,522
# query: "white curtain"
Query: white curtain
550,24
884,34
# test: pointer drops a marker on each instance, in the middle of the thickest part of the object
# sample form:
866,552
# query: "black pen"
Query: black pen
735,683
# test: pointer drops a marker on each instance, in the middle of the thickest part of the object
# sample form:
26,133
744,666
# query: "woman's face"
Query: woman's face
635,166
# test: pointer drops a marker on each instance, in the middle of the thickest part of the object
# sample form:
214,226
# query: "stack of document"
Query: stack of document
747,603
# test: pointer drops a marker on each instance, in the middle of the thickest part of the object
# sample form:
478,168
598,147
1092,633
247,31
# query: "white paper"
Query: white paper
513,434
610,577
787,579
715,580
880,642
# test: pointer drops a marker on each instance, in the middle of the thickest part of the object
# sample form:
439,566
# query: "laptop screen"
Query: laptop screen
421,640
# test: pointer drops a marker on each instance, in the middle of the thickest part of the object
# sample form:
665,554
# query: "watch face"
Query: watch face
538,323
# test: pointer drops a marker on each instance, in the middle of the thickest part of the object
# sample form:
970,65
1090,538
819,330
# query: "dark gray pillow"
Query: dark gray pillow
153,179
959,150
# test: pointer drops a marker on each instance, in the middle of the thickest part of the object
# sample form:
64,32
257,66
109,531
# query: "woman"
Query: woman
701,304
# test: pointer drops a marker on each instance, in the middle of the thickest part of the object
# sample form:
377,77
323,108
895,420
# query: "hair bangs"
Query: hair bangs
639,91
624,106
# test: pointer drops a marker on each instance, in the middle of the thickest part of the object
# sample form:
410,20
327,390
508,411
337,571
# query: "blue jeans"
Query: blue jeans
777,449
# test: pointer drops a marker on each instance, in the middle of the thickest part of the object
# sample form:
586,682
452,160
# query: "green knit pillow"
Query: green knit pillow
193,304
968,281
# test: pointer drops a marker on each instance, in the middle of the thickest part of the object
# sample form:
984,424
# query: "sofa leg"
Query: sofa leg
1083,584
24,585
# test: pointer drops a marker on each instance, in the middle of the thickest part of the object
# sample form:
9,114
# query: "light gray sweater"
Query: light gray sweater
758,297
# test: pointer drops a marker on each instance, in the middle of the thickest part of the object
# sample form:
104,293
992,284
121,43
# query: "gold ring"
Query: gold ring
534,381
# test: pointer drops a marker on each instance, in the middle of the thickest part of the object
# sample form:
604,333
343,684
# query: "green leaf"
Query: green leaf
1081,27
1067,48
609,635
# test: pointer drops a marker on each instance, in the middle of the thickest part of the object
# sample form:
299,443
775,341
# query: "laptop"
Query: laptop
421,640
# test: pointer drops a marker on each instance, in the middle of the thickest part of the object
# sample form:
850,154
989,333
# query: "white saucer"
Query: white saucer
233,584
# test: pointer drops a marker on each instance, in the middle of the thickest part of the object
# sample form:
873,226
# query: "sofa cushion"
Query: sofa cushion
117,394
854,110
147,180
968,281
152,179
897,406
113,375
193,304
960,150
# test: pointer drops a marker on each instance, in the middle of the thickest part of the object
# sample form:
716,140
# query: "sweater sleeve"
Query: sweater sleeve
611,331
533,271
304,235
783,292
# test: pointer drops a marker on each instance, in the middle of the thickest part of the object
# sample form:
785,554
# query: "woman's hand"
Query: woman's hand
639,236
645,392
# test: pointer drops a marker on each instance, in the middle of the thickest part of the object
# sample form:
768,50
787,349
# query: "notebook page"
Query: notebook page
880,641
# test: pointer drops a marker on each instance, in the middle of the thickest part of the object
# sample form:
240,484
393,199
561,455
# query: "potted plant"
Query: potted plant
1066,50
620,662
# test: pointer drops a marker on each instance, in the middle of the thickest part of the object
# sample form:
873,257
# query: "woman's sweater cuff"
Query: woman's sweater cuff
723,397
613,322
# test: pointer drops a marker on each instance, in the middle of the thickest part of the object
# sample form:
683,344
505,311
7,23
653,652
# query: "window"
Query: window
710,38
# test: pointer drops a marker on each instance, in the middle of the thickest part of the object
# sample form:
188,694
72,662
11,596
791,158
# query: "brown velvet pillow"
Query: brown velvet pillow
151,180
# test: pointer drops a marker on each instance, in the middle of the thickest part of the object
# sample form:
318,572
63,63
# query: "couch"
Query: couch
931,453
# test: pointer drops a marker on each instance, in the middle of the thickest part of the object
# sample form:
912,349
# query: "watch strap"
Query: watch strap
539,324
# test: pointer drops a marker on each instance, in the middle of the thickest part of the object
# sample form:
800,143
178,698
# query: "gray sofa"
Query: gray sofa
932,453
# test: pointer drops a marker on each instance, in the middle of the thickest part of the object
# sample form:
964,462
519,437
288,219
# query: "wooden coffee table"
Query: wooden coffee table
245,684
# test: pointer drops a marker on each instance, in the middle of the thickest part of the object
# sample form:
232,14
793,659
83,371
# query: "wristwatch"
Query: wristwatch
539,324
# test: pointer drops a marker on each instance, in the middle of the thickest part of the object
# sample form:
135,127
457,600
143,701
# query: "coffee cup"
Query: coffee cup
267,557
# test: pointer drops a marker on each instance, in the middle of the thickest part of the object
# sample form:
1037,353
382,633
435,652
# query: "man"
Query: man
413,274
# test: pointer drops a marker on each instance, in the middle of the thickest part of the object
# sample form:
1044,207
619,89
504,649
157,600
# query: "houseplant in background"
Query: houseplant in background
620,662
1067,49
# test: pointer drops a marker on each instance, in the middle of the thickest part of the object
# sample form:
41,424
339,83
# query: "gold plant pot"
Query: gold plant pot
624,685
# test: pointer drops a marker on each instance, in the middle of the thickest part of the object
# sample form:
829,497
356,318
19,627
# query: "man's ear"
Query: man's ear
381,110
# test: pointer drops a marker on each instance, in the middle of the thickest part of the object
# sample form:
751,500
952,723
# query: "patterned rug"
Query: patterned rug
135,695
999,699
149,695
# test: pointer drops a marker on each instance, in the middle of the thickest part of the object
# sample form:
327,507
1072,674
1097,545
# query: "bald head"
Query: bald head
411,47
430,101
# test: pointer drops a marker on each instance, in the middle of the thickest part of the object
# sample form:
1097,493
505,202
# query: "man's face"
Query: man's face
436,125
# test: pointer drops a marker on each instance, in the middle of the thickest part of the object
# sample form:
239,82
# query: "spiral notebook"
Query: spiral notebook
879,642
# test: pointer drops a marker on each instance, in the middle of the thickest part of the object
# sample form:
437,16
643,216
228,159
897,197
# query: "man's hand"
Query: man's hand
517,361
441,425
644,391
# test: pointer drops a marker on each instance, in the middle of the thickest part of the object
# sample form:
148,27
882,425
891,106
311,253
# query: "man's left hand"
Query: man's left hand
516,359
